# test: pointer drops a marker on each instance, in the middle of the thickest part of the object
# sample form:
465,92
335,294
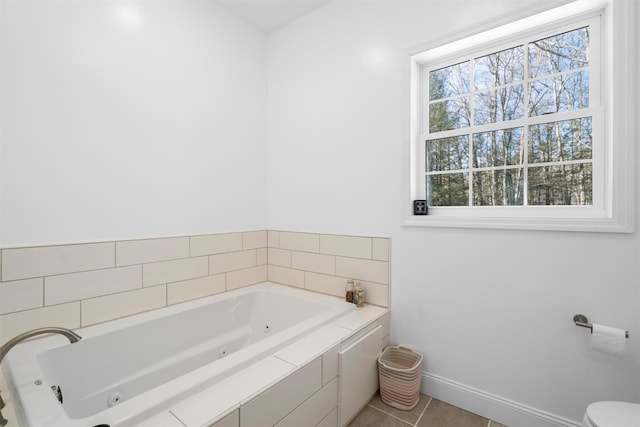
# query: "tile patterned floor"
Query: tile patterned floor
429,412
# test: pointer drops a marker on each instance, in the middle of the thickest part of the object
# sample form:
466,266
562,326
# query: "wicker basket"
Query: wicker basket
400,374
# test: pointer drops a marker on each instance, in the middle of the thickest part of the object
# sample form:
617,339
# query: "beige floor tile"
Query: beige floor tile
411,416
373,417
441,414
437,414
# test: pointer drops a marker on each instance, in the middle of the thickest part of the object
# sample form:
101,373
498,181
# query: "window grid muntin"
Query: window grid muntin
525,164
592,110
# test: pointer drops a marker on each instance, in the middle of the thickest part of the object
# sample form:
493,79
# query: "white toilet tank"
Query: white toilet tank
612,414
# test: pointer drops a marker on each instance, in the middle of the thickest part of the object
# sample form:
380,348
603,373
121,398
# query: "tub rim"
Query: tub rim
30,349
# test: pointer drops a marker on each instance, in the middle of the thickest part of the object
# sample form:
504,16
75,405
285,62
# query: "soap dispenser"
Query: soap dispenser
358,295
349,291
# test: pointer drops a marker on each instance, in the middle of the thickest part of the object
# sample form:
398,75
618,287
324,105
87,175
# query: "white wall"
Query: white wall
491,310
112,132
129,120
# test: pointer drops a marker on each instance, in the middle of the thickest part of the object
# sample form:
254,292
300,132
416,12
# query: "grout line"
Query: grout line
390,415
176,417
80,313
424,410
44,293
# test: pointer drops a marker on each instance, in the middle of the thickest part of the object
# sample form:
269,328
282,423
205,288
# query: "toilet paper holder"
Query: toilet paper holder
582,321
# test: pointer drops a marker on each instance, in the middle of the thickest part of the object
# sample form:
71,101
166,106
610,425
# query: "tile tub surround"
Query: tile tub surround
77,285
305,371
324,262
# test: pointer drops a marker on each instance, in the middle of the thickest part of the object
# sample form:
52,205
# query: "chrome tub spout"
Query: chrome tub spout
71,336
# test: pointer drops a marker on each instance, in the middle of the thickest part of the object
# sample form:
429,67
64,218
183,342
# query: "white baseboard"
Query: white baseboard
497,408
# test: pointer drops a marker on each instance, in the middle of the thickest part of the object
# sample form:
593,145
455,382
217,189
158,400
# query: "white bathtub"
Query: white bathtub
124,371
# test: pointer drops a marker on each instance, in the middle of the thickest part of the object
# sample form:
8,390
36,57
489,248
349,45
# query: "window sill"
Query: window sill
595,225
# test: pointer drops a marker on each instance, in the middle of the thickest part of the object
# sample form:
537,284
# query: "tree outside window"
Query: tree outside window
497,135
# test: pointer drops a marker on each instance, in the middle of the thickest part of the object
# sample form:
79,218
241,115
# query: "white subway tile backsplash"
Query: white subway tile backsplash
280,257
102,309
326,284
232,261
375,293
261,256
380,249
304,242
211,244
172,271
313,262
24,263
76,286
21,295
349,246
195,288
254,239
114,279
273,239
63,315
151,250
286,276
362,269
248,276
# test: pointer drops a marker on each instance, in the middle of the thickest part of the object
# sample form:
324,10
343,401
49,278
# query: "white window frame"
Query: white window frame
613,161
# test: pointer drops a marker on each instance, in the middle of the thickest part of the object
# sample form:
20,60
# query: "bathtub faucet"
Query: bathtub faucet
71,336
3,420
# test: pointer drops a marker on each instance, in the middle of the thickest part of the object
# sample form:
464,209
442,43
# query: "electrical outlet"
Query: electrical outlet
420,207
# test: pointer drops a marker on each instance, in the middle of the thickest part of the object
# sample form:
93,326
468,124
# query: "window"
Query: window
514,127
510,131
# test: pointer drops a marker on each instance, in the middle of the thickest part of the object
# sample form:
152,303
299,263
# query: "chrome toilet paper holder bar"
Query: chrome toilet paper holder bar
582,321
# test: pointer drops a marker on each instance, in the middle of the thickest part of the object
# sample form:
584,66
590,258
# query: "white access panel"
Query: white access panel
358,378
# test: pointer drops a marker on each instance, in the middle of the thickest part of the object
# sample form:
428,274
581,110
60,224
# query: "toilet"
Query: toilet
612,414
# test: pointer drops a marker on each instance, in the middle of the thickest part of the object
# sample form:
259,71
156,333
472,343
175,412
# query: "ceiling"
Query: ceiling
271,15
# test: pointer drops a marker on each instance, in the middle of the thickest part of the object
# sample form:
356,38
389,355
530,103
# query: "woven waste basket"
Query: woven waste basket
400,374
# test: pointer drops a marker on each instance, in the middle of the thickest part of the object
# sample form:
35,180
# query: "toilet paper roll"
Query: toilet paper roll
607,339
